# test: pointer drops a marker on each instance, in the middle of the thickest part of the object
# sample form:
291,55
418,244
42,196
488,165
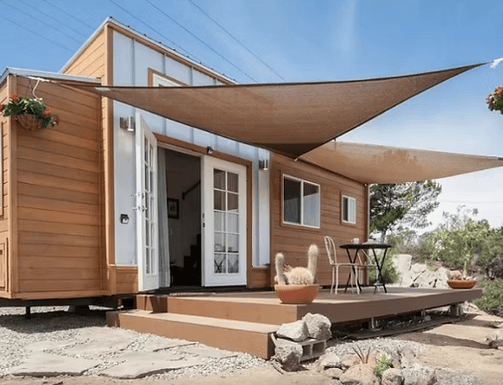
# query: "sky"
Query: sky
263,41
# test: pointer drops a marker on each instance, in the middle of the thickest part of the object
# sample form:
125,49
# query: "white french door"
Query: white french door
146,206
223,222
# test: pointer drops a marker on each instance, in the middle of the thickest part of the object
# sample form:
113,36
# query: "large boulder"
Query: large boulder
318,326
496,340
417,374
296,331
288,355
392,376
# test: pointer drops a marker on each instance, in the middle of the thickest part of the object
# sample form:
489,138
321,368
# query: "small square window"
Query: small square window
348,209
301,202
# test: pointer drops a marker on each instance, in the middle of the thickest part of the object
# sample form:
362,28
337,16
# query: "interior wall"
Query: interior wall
183,172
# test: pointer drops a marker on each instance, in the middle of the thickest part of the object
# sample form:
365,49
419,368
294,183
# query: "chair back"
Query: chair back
331,250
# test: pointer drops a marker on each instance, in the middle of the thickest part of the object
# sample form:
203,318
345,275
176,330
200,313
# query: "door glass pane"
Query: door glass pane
232,182
219,200
219,263
233,263
219,179
233,202
219,242
233,223
219,221
291,201
233,243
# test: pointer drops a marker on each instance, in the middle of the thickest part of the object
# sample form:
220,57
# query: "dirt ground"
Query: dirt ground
456,346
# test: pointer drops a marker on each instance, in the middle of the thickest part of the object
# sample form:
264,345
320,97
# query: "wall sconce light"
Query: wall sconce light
127,123
263,164
209,150
124,219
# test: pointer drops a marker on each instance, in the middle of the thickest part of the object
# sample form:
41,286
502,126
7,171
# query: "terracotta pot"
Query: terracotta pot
296,294
461,284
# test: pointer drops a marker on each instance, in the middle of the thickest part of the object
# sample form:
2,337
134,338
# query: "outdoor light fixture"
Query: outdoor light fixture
263,164
124,219
127,123
209,150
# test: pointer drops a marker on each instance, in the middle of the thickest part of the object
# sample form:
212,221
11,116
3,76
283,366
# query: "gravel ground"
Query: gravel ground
57,324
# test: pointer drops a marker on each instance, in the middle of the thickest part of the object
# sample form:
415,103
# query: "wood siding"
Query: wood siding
4,225
293,241
58,183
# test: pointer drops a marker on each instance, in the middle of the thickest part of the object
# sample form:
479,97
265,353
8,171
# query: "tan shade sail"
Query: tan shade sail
290,118
368,163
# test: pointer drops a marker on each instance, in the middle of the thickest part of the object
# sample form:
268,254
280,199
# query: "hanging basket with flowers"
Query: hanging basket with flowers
495,100
31,114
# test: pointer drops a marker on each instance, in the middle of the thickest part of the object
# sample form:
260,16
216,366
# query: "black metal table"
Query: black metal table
365,247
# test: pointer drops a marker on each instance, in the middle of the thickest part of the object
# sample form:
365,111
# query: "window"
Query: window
301,202
348,209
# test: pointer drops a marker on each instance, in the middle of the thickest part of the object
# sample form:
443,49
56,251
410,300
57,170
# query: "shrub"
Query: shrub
492,299
383,363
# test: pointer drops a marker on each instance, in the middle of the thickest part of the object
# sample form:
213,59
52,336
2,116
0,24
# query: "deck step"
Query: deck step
239,336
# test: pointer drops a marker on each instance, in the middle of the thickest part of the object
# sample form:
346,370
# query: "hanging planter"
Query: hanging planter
31,114
495,100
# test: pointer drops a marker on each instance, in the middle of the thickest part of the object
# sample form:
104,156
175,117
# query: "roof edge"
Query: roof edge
47,75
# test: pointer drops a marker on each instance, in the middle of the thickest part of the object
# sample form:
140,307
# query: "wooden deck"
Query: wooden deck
245,321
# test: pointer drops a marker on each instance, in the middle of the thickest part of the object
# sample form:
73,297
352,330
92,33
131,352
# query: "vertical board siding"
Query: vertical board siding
58,212
293,241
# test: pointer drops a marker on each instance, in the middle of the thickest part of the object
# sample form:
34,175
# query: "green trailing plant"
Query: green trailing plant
383,363
28,106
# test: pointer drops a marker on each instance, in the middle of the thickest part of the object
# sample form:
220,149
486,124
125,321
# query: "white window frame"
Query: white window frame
351,209
302,181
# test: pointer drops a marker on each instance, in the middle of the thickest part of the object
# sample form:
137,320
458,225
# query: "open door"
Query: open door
223,222
146,206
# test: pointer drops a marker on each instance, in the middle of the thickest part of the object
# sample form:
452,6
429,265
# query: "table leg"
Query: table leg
379,267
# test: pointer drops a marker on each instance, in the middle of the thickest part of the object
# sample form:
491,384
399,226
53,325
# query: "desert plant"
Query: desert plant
383,363
298,275
492,299
363,357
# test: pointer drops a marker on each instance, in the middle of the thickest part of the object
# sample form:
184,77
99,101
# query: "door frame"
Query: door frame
199,151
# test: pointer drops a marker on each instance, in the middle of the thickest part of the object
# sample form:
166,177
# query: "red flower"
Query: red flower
47,113
14,99
2,106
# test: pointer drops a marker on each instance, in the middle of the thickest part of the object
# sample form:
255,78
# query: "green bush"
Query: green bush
492,299
383,363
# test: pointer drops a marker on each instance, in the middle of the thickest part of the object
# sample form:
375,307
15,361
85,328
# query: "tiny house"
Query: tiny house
116,200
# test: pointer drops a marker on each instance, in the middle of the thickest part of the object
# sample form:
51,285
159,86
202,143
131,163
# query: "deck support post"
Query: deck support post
372,324
27,315
455,310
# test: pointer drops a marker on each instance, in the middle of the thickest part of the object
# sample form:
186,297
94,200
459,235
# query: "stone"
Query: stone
392,376
496,340
333,373
359,374
329,361
40,364
402,263
289,356
296,331
318,326
417,374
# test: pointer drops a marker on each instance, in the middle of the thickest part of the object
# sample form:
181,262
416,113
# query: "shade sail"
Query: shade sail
290,118
368,163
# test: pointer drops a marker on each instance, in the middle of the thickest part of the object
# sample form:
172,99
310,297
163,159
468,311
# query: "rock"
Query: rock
333,373
402,263
418,268
417,374
289,356
392,377
329,361
318,326
495,341
359,374
296,331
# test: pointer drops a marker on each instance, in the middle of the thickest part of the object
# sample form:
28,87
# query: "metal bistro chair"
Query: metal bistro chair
332,258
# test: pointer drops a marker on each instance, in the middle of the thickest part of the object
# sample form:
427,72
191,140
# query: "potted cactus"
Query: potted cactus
297,285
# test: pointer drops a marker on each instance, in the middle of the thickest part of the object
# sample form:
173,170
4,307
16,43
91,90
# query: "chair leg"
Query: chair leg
336,279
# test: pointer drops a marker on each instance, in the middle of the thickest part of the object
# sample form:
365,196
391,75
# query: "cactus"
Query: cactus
297,275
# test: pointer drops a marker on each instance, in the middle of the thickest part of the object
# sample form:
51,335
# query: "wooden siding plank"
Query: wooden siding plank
50,147
41,273
89,254
57,216
53,181
56,193
58,285
58,205
59,228
26,237
35,166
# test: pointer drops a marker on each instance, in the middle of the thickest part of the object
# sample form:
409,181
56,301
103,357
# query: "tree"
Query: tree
397,206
